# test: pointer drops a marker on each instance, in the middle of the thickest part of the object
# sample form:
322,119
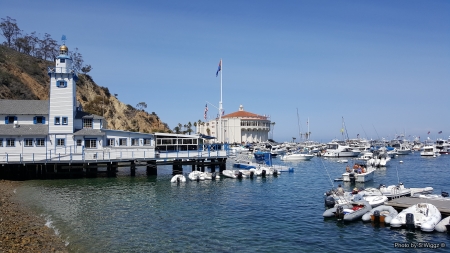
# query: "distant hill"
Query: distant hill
25,77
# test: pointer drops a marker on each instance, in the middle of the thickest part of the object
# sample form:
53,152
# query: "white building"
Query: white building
37,130
239,127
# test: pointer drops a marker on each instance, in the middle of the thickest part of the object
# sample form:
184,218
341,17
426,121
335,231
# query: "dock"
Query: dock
404,202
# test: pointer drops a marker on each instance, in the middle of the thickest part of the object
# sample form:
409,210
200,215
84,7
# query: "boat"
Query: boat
211,175
249,173
297,156
423,215
179,178
358,209
402,148
395,191
443,225
380,214
337,149
429,150
232,174
442,146
196,176
334,199
365,174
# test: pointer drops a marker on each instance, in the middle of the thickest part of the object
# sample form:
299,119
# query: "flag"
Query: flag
223,112
439,132
429,132
219,68
206,110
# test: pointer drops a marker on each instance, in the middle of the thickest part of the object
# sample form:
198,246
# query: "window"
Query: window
40,142
28,142
110,142
61,84
10,142
39,120
134,142
65,120
10,119
147,142
1,142
62,60
87,123
79,142
90,143
60,142
57,121
122,141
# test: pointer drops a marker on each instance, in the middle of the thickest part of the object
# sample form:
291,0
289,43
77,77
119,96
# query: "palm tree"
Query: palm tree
176,130
189,127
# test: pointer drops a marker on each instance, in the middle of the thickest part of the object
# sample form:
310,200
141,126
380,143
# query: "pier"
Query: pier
404,202
98,163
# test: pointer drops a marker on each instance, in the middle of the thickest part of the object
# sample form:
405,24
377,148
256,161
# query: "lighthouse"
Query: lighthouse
62,105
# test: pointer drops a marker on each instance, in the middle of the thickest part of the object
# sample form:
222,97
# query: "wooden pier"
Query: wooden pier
404,202
81,169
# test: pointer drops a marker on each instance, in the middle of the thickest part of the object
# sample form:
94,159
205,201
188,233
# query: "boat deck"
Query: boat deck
404,202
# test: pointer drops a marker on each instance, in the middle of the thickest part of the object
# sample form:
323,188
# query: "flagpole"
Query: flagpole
220,103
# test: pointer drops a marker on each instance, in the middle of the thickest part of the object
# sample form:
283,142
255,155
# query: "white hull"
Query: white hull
297,157
178,179
360,178
196,176
426,216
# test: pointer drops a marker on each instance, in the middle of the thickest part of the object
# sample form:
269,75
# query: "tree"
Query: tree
10,30
176,130
195,125
189,127
77,59
141,105
86,69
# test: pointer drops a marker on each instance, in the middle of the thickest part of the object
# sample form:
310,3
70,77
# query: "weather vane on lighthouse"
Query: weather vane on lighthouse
63,39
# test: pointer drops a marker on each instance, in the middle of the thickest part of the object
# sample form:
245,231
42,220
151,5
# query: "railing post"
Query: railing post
59,157
33,157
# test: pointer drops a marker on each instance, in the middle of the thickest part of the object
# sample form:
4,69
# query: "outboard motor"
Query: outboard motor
263,173
376,217
239,175
178,180
252,174
444,194
275,173
410,221
198,178
340,212
352,178
448,227
329,201
213,177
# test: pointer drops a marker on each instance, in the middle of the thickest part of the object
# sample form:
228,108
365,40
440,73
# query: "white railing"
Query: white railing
61,155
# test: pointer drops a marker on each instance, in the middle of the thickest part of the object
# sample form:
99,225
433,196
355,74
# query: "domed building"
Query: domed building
238,127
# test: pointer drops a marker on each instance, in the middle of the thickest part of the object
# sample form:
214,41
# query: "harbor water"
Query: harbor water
273,214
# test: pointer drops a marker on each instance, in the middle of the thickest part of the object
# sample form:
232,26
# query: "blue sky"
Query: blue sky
383,66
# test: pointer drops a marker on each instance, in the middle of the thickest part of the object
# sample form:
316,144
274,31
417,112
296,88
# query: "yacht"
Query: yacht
337,149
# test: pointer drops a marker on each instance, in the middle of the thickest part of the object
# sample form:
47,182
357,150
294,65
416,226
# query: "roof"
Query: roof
24,107
243,114
35,129
85,115
89,131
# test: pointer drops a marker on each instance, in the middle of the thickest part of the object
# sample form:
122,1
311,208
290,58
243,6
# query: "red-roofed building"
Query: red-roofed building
239,127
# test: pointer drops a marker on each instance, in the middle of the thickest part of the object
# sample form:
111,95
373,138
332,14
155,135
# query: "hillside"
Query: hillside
25,77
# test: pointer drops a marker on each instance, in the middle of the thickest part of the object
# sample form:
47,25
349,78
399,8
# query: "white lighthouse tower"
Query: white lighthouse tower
62,108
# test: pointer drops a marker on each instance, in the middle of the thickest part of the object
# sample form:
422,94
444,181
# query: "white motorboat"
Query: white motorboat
359,208
380,214
423,215
429,150
179,178
364,176
196,176
375,199
443,225
402,148
267,171
336,149
232,174
211,175
395,191
297,156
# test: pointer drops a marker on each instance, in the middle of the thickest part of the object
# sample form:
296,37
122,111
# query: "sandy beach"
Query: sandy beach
21,230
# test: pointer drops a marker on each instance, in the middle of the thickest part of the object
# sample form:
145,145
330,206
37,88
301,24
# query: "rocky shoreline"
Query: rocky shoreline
22,230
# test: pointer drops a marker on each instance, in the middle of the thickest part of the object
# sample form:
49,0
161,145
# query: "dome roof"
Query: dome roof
63,48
